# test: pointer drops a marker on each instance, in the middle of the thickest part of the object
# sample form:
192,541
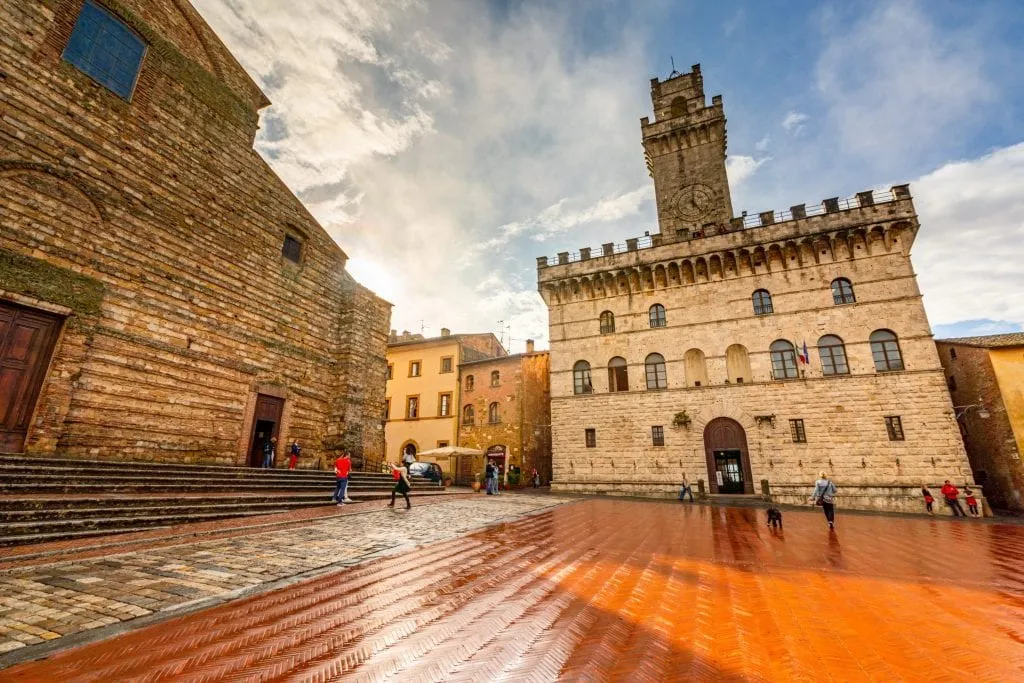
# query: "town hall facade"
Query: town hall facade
747,352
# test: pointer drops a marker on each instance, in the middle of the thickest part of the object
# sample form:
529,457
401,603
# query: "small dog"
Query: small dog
774,517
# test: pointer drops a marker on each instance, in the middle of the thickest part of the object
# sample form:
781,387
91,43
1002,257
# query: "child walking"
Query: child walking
972,502
928,499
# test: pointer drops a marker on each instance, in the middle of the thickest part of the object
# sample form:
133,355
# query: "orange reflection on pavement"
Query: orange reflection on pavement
619,590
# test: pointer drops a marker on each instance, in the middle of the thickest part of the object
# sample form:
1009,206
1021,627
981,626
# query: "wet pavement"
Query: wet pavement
617,590
93,593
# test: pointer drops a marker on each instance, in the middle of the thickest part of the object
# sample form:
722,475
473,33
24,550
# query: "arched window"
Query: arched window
833,355
607,322
885,349
657,315
492,414
468,414
842,291
737,364
783,360
495,378
618,375
657,377
581,378
696,368
469,382
762,302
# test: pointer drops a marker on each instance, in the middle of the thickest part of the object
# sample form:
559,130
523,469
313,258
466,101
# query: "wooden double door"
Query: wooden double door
27,338
725,447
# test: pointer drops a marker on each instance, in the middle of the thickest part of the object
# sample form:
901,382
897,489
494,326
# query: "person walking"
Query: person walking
269,451
402,486
488,477
952,495
928,499
535,477
825,496
296,451
342,467
972,502
408,459
686,490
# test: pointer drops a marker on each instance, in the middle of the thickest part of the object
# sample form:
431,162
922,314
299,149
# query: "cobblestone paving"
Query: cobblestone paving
617,590
48,602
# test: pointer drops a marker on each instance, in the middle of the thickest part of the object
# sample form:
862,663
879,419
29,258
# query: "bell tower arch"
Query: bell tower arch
685,151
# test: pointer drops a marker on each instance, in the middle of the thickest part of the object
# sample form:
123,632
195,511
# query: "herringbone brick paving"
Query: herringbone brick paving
45,602
617,590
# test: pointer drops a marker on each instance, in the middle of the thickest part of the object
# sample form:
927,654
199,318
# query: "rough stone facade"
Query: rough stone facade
521,432
717,400
985,377
154,233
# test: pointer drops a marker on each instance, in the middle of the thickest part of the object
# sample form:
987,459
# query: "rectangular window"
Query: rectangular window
951,383
412,407
105,50
446,364
591,437
391,371
796,430
414,368
387,409
292,249
894,425
444,405
442,444
658,435
952,354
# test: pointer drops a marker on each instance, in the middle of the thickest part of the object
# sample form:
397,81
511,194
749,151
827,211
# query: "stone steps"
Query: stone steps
47,499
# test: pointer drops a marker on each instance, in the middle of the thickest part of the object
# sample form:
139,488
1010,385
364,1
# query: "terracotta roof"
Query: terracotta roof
990,342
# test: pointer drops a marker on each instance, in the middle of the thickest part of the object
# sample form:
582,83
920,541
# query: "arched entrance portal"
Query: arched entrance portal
725,446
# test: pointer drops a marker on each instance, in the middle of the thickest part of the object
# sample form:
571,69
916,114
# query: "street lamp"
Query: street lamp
963,410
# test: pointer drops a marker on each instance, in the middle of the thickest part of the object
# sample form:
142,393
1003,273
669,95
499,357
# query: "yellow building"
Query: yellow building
985,376
423,393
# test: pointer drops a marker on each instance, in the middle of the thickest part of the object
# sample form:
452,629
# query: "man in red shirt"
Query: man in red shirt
951,494
342,467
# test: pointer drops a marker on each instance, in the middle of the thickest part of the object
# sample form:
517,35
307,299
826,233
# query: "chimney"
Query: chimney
445,332
529,346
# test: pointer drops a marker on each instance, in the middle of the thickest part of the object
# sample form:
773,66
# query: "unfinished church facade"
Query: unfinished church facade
746,352
163,295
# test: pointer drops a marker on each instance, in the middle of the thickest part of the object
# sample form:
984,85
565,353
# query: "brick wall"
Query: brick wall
171,226
990,441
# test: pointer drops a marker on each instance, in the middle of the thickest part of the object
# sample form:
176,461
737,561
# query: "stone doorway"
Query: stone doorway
27,338
266,424
725,448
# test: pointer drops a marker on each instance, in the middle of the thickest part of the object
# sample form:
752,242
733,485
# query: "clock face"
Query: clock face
692,202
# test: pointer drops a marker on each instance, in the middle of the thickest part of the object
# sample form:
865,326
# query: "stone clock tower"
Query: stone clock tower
685,151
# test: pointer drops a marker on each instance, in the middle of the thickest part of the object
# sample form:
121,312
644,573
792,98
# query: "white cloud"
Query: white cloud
967,253
762,144
794,122
893,82
740,168
420,134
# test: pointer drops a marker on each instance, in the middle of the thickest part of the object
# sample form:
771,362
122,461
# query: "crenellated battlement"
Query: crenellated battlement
831,214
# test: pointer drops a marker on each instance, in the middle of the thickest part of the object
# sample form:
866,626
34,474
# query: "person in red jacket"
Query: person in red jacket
972,502
342,467
952,494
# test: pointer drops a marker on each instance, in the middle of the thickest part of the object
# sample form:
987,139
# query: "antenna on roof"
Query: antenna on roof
674,72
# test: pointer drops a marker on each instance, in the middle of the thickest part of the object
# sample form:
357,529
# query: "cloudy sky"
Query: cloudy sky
445,144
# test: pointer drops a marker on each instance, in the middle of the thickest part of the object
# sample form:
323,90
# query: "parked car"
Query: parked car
427,470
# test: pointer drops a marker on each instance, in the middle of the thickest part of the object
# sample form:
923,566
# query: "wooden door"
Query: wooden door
266,423
725,447
27,338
